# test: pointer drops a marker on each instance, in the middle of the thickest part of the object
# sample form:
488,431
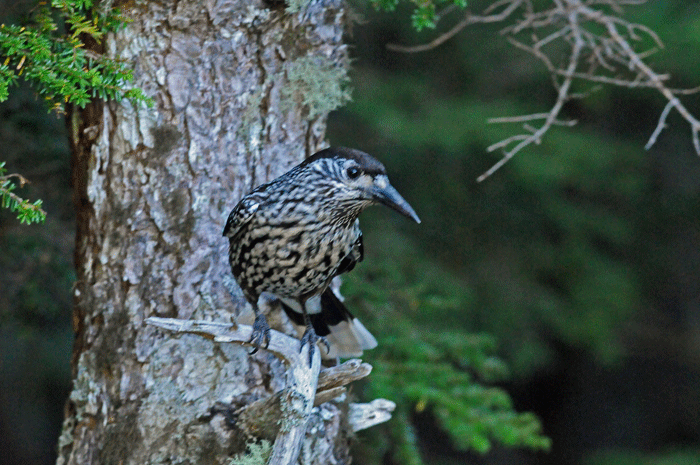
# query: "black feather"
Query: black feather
333,312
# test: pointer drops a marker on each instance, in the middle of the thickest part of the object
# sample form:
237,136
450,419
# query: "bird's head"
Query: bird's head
356,180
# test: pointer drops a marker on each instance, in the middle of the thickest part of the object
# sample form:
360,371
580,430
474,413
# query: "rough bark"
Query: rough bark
241,93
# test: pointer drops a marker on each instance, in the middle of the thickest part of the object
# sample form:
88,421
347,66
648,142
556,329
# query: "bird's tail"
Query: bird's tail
346,336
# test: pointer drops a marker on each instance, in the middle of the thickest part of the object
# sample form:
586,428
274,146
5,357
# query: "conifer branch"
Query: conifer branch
27,212
61,69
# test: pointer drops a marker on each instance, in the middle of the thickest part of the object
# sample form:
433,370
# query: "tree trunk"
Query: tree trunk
241,92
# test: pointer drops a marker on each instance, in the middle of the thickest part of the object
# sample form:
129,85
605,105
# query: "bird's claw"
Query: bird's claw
260,334
311,338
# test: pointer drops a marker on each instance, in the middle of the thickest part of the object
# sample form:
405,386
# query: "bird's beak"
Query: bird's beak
384,193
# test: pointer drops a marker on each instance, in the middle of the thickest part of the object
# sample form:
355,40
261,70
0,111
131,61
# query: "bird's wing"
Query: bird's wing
240,215
356,255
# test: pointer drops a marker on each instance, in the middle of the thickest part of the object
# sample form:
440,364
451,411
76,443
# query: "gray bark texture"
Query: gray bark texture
241,92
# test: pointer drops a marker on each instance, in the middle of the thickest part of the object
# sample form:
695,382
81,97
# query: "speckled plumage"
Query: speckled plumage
292,236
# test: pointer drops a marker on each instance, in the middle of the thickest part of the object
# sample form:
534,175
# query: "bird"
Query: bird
292,236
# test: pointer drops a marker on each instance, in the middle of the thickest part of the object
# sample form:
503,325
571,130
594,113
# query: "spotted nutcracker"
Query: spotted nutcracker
292,236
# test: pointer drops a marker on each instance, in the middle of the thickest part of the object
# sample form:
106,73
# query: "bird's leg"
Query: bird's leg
310,337
261,331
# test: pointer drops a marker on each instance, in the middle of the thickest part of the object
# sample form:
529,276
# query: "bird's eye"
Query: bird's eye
353,172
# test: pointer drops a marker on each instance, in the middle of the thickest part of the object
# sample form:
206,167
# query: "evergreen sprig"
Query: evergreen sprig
448,374
48,52
451,375
55,60
27,212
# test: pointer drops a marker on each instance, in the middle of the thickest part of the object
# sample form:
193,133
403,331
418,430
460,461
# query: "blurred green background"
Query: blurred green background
578,263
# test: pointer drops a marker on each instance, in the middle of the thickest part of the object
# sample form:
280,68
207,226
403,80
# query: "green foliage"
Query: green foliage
27,212
427,361
56,63
424,12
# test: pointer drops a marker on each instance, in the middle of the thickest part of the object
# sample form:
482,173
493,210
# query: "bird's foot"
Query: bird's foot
310,337
260,334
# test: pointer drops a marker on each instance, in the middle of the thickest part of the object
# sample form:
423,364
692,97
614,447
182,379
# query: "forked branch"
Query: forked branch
296,400
601,48
283,416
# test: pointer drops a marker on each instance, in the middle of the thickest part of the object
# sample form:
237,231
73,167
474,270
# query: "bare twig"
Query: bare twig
673,101
692,91
21,179
534,116
554,112
434,43
606,57
506,142
661,124
609,57
328,395
466,21
332,381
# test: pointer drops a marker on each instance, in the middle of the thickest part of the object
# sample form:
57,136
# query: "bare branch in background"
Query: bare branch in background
468,20
599,48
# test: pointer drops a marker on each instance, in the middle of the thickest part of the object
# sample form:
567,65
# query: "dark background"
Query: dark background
581,256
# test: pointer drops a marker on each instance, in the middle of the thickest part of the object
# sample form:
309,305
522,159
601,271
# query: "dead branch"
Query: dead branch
466,21
283,416
295,401
610,59
21,179
613,57
343,374
363,416
562,97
